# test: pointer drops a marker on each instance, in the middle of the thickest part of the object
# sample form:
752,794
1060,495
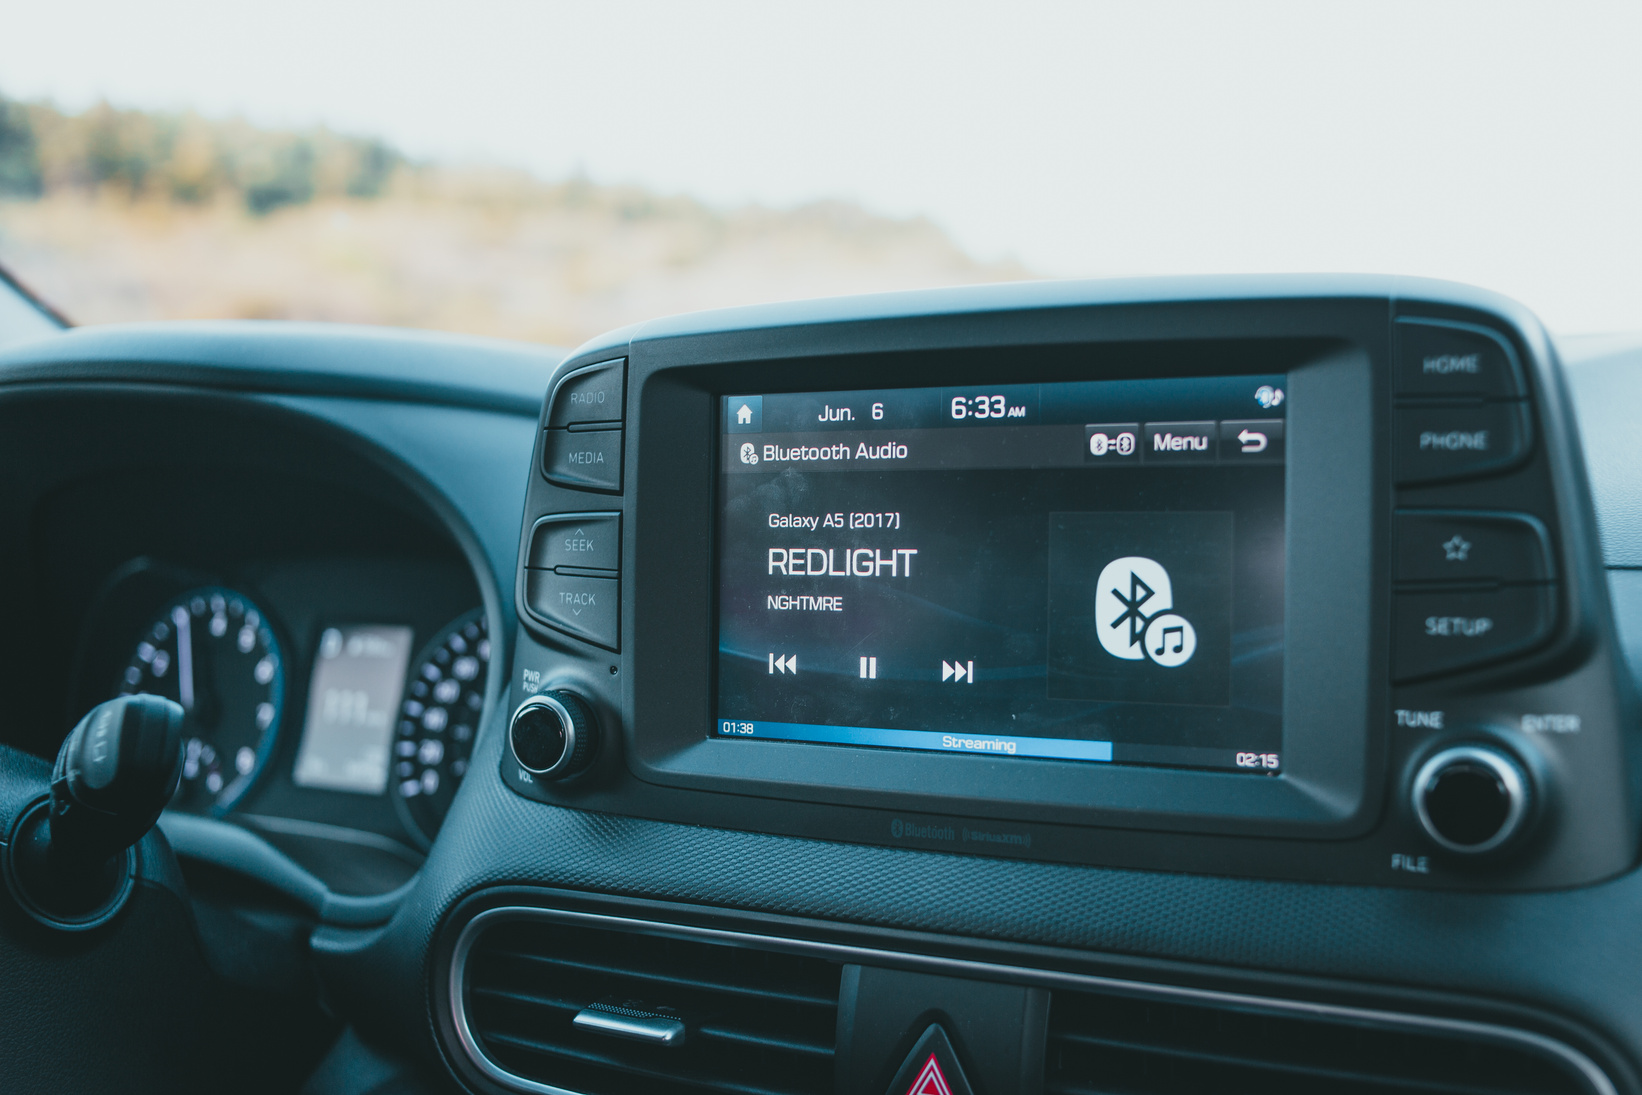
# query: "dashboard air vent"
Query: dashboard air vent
1120,1045
753,1022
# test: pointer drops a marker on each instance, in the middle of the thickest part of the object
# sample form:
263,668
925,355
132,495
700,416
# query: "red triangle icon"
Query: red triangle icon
932,1067
931,1080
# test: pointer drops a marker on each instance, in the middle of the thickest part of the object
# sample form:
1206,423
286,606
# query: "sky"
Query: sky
1493,143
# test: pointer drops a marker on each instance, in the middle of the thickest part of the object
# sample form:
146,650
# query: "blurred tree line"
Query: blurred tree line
182,158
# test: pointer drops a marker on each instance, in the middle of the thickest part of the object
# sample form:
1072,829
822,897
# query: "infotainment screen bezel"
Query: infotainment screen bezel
1337,600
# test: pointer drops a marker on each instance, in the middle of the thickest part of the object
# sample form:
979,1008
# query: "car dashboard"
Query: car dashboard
1149,686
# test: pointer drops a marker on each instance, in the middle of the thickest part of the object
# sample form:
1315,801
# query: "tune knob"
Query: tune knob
1471,798
553,735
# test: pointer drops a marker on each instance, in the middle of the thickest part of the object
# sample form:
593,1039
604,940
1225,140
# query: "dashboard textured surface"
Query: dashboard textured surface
1575,951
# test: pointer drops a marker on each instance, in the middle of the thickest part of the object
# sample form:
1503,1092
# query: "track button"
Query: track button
589,608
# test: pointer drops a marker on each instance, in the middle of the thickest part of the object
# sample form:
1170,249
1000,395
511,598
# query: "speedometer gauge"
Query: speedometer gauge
444,697
213,651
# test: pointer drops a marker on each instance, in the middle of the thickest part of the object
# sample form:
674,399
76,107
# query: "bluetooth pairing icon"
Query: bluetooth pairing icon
1134,602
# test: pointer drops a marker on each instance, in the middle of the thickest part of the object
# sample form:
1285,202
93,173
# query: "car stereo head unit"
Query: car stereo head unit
1086,571
1202,576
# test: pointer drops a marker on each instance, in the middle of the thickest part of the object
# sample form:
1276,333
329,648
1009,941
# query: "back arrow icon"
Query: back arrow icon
1252,442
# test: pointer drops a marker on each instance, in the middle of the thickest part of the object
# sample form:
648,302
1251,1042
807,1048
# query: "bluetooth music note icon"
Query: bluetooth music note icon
1179,634
1170,640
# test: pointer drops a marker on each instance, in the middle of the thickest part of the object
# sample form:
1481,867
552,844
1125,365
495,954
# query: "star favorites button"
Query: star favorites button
1471,546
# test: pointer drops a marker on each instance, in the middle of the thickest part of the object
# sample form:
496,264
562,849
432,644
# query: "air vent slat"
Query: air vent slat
1272,1068
616,969
1115,1045
767,1041
529,999
757,1022
614,1063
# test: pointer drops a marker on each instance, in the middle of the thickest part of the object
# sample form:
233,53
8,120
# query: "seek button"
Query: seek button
586,541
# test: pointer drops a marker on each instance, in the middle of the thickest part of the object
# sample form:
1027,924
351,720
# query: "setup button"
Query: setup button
1443,632
588,608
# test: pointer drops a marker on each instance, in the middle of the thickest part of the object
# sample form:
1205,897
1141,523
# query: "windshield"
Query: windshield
548,171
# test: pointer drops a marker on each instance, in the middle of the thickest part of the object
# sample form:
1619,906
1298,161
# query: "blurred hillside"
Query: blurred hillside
119,215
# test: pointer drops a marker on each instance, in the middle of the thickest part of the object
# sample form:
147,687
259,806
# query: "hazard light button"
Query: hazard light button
931,1068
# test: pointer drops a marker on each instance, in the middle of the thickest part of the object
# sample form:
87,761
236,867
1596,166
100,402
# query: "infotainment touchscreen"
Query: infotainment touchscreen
1086,571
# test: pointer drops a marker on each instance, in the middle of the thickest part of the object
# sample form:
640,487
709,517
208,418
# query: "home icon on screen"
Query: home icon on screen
744,414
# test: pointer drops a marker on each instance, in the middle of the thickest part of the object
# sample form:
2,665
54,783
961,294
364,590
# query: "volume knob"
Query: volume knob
553,735
1471,798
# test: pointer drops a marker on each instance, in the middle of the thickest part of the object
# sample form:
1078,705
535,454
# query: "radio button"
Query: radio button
1466,546
1435,358
583,459
1443,632
589,541
1437,443
594,395
588,608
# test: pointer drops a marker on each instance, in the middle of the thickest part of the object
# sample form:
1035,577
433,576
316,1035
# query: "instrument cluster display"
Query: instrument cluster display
388,714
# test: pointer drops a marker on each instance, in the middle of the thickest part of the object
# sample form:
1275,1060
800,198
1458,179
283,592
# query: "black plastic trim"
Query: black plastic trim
450,985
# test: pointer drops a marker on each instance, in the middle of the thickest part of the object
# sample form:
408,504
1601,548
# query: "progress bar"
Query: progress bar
926,740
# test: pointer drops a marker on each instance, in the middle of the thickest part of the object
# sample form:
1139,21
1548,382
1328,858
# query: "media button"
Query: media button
1111,443
584,459
1252,441
1180,442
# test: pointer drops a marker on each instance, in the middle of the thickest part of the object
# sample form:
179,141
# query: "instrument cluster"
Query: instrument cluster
313,693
